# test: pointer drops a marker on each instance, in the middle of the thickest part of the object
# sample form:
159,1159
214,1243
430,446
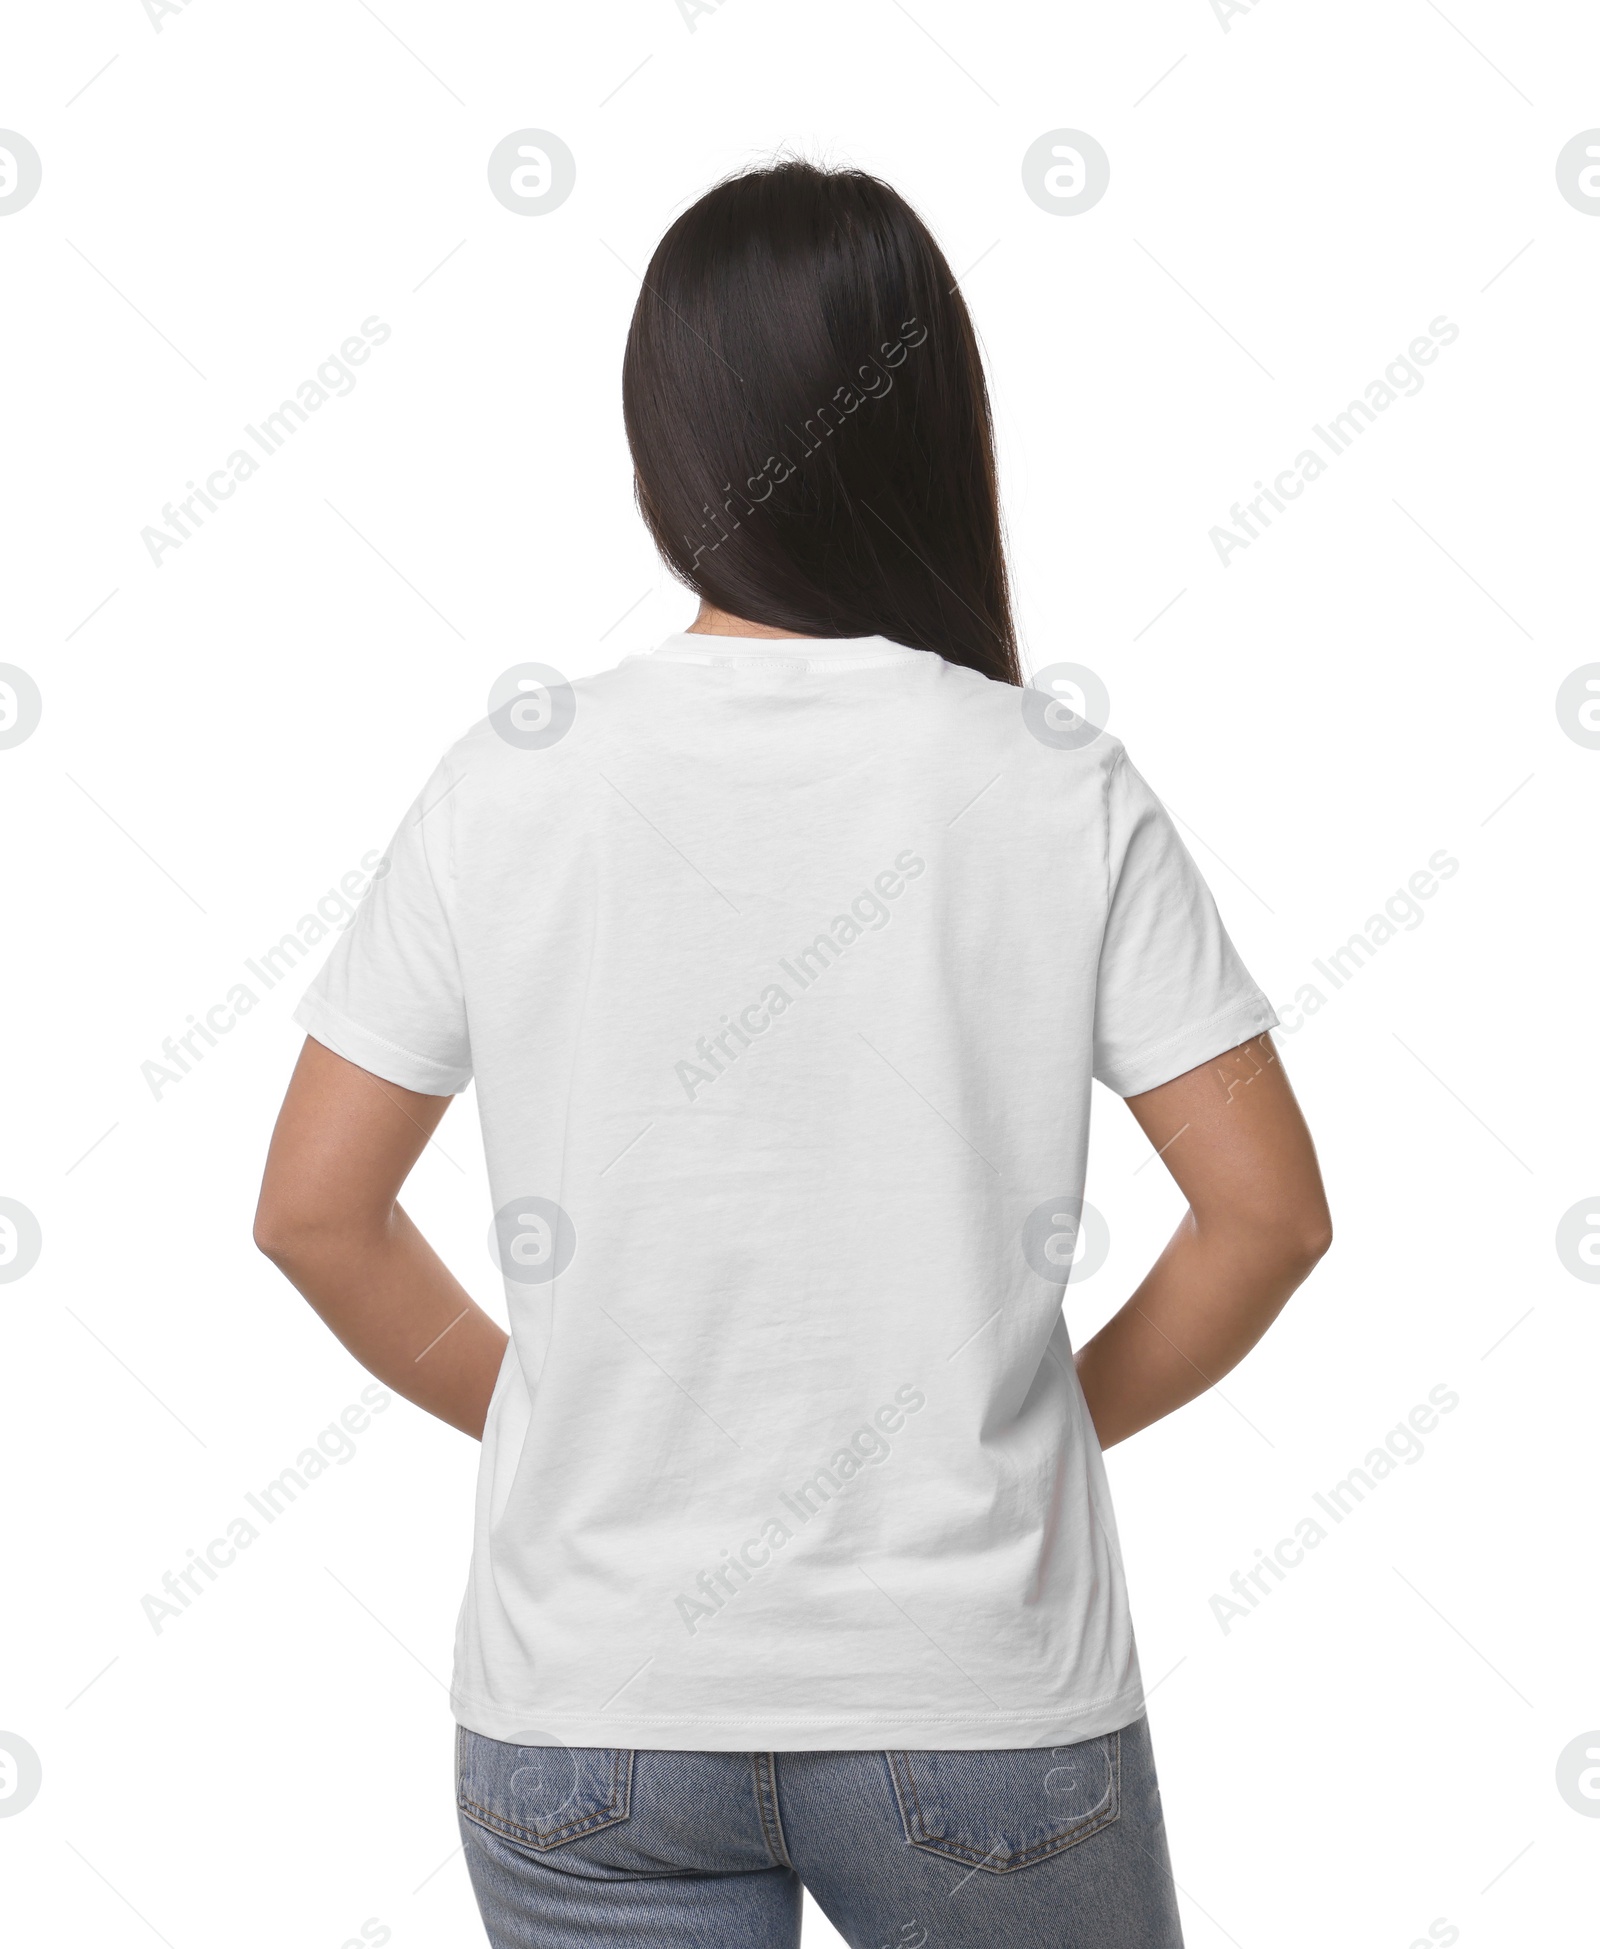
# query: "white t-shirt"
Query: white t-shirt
782,968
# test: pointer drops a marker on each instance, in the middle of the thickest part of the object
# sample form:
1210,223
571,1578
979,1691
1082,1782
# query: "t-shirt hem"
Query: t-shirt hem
1177,1054
992,1730
372,1052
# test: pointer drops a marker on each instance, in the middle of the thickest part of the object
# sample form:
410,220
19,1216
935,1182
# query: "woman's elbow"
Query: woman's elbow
274,1231
1307,1237
1317,1240
1282,1241
290,1233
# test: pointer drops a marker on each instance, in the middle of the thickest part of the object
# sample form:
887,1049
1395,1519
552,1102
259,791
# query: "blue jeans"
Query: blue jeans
1058,1848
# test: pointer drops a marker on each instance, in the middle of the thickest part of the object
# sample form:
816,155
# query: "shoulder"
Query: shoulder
1041,728
541,722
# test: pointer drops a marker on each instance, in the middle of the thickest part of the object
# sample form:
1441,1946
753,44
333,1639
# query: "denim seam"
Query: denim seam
606,1816
764,1776
1109,1810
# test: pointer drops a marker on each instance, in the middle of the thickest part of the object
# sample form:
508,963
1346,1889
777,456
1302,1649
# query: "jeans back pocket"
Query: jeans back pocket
1000,1811
541,1796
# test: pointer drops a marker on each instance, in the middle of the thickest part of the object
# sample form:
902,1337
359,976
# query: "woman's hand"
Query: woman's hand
1232,1135
344,1144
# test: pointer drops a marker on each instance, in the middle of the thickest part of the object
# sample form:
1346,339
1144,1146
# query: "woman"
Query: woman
782,958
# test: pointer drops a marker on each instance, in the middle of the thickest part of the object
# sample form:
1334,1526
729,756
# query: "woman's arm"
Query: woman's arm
1232,1135
344,1144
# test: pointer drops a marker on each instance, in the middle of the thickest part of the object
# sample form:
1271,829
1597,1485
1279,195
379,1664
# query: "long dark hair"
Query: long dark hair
810,428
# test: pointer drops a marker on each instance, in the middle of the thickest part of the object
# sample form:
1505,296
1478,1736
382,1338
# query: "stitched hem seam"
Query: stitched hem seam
1044,1715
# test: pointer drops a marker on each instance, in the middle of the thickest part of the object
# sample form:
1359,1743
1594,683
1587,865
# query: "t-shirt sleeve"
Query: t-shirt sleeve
389,997
1172,990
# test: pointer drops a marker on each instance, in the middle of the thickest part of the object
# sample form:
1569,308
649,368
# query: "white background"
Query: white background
1374,1746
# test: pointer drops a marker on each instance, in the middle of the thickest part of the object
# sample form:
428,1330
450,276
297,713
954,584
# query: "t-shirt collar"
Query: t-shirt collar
810,652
